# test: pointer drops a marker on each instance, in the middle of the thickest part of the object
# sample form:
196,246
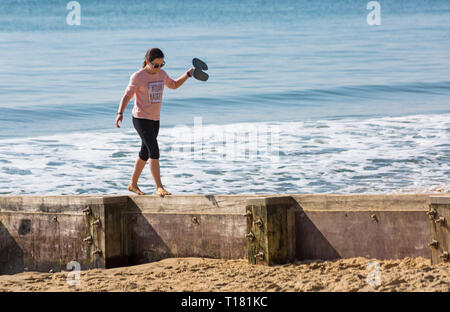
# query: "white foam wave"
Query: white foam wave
408,154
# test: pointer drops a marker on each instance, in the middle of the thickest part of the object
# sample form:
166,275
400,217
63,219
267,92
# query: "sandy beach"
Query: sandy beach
203,274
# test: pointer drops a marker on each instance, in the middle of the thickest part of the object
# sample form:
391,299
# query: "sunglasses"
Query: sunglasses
157,65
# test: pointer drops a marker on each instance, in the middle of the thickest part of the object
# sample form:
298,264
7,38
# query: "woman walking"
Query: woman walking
148,85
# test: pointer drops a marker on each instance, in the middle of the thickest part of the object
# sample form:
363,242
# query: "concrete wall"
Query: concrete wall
46,232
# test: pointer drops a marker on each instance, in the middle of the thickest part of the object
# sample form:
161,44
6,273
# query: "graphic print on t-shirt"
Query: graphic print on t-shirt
155,91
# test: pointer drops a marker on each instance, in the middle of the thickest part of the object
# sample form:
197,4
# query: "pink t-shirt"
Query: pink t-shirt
149,91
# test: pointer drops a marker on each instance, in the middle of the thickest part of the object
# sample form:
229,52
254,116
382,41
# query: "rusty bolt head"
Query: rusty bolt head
88,239
260,255
55,219
250,236
97,252
51,271
259,222
434,243
248,214
194,220
444,256
431,213
96,222
374,217
440,221
87,210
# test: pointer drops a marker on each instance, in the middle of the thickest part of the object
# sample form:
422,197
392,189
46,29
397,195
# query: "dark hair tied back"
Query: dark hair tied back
152,54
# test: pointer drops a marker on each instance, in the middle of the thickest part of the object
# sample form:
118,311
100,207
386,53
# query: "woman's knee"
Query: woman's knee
154,155
143,156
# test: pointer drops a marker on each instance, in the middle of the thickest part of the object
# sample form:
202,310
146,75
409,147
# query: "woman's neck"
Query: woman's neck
148,70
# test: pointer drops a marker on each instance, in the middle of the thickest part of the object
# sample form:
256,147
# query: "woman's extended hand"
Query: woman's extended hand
119,117
190,71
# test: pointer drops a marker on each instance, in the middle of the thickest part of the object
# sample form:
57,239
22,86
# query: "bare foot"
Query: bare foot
135,189
161,192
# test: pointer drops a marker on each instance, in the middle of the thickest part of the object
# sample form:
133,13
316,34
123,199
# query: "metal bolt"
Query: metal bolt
444,256
434,243
431,213
88,239
96,222
260,255
97,252
250,236
55,219
248,214
374,217
259,222
87,210
440,221
194,220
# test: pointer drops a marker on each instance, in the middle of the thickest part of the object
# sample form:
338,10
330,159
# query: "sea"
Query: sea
323,96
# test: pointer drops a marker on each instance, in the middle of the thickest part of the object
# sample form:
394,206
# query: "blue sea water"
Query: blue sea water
356,108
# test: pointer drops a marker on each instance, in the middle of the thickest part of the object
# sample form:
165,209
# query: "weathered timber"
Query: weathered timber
388,234
439,217
235,204
155,236
43,233
39,241
270,230
104,224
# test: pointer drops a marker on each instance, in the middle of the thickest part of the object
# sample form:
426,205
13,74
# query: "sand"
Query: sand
203,274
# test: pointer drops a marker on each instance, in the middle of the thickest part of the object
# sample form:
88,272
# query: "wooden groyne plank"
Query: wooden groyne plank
39,241
155,236
439,218
377,234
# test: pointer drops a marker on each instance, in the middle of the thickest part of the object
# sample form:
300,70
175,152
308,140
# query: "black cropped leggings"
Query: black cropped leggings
148,131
